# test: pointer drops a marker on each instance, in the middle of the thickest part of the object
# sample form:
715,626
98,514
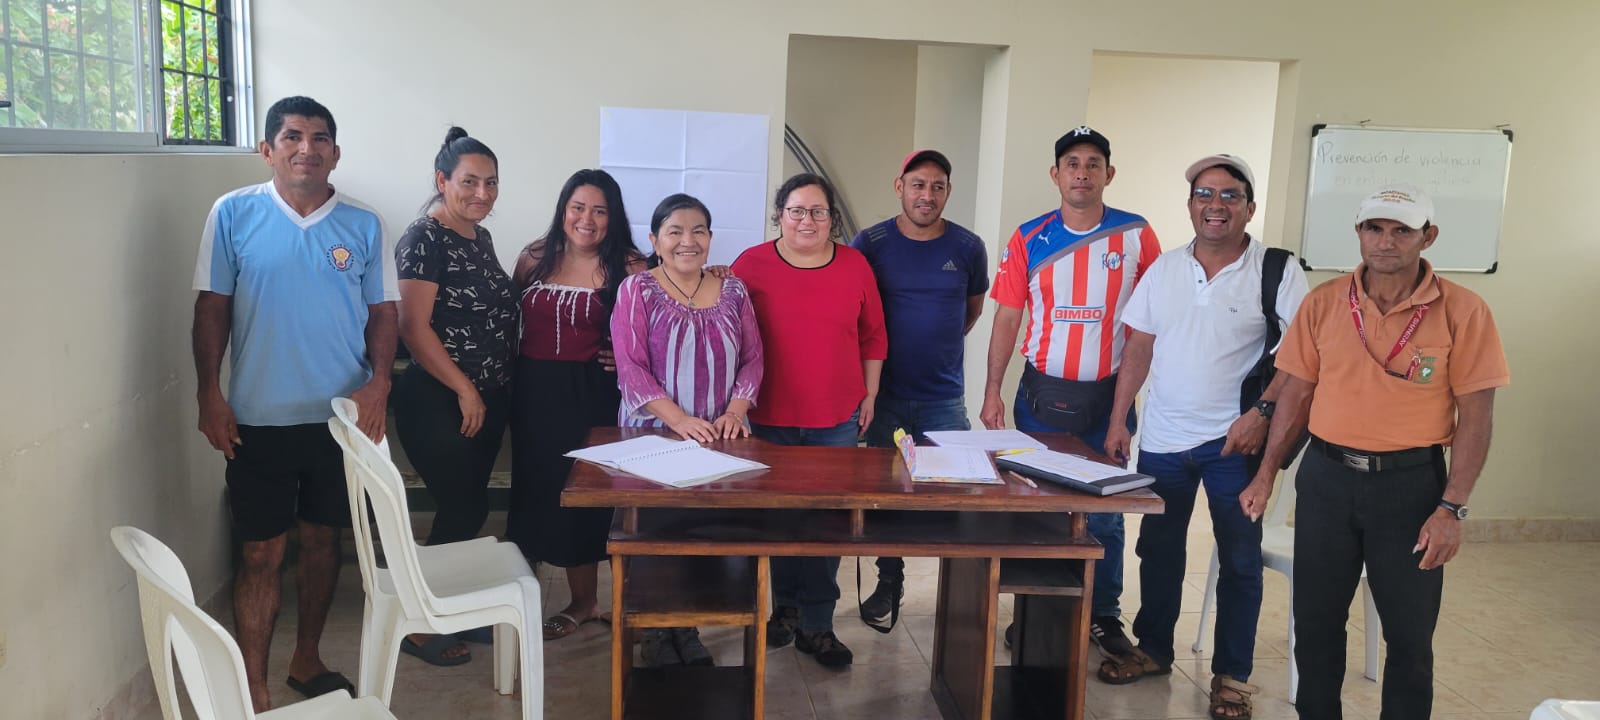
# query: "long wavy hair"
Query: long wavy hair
616,248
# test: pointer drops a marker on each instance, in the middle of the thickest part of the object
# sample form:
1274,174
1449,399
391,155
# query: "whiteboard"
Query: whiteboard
1464,171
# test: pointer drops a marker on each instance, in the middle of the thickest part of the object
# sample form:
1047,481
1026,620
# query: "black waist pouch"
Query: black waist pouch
1072,405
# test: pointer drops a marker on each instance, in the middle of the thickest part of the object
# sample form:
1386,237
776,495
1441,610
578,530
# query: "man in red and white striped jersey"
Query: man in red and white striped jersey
1070,272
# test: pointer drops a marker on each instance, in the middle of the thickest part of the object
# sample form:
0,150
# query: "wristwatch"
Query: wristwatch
1460,511
1265,408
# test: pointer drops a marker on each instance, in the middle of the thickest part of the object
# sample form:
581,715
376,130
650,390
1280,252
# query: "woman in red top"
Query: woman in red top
569,279
821,321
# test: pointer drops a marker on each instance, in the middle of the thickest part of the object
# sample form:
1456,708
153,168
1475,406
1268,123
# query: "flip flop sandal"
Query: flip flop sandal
322,684
1124,669
1238,708
561,625
432,652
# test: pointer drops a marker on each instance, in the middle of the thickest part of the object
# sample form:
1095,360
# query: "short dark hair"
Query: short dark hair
788,187
302,106
456,144
1249,190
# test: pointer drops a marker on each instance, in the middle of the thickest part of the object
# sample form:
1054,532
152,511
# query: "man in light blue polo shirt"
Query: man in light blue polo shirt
296,277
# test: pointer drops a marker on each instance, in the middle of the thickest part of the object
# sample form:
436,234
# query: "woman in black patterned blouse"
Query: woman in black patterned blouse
458,318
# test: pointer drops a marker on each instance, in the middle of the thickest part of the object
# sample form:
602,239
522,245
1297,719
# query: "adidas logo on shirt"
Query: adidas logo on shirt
949,265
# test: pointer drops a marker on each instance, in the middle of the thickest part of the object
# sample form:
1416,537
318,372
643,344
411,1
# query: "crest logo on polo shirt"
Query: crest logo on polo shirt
1111,260
1078,313
1425,372
339,255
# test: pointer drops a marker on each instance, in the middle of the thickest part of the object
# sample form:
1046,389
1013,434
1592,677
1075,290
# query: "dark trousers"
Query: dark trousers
454,467
810,584
1344,518
1105,528
916,417
1164,538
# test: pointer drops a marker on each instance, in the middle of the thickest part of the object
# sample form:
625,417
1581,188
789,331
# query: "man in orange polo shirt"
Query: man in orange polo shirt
1390,364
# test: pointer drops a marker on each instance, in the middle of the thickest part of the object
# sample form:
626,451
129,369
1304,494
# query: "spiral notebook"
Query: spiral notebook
678,463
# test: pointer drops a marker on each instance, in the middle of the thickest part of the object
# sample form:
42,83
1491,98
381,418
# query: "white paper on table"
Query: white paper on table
642,138
610,454
953,464
991,440
1070,466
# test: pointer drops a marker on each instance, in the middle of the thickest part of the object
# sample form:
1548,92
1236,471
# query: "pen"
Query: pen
1013,452
1024,478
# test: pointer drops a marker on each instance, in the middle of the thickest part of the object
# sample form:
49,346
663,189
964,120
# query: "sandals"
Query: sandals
323,684
561,624
433,651
1236,708
1124,669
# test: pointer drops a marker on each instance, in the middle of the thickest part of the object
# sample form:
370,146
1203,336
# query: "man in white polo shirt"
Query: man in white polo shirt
1198,328
295,277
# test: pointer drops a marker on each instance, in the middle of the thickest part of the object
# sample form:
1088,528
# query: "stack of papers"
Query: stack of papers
946,464
990,440
678,463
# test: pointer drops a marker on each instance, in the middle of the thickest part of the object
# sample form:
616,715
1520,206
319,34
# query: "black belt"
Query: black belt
1363,461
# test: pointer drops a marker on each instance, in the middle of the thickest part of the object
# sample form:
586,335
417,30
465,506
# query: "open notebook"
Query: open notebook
946,464
679,463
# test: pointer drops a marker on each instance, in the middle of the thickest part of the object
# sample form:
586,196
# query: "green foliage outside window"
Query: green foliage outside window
81,65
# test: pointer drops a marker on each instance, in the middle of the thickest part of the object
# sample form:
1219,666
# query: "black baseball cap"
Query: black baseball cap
921,156
1083,134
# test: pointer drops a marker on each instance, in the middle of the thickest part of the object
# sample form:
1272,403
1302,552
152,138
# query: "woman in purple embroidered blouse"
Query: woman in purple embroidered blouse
687,346
688,358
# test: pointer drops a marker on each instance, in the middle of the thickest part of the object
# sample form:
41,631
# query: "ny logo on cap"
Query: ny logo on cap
1083,130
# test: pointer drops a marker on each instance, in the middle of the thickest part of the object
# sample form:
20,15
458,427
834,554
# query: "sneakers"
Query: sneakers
690,649
782,625
662,647
658,650
825,647
881,603
1106,632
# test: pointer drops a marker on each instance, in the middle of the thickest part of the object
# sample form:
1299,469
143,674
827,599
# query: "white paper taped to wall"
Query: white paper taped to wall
720,158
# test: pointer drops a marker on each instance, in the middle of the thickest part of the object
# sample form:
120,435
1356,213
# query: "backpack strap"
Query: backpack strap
1271,277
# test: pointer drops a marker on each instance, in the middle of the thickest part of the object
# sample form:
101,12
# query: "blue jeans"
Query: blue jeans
1105,527
916,417
808,583
1163,538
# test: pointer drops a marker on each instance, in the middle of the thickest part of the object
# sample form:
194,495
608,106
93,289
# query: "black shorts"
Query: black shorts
280,473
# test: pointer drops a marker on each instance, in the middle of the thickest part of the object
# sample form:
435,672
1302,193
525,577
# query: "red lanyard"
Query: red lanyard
1405,337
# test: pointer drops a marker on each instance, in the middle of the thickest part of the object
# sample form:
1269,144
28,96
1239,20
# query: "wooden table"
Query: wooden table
699,557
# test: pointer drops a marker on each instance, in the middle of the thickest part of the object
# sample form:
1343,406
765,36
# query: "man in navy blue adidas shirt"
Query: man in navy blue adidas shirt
932,275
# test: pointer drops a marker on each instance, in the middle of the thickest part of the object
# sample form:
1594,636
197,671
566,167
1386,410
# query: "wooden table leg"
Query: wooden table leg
963,656
621,648
755,640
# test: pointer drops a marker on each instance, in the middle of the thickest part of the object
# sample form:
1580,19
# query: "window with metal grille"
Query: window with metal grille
121,74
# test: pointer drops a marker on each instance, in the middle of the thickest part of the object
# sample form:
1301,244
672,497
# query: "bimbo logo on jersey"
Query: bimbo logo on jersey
1078,314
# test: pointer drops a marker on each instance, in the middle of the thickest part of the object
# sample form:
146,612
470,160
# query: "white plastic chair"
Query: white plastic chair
433,589
1277,553
213,669
1566,710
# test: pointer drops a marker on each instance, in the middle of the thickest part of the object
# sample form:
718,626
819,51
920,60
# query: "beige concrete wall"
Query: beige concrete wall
1163,113
100,413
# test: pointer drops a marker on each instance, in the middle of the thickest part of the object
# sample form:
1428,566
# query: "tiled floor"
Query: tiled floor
1521,623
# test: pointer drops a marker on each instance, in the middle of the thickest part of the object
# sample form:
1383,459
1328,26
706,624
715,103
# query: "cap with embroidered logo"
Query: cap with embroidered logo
1080,135
1404,204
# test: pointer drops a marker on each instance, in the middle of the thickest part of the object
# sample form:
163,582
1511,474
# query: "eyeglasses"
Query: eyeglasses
1205,195
799,213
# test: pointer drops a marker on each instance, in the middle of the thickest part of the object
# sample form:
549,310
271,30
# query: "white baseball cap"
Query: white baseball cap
1404,204
1211,161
